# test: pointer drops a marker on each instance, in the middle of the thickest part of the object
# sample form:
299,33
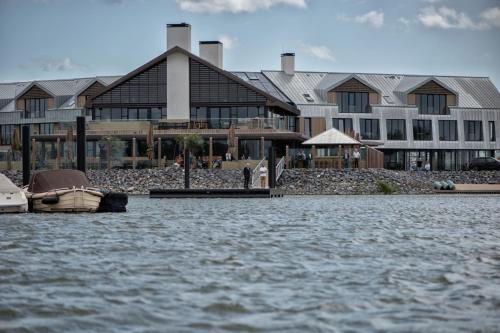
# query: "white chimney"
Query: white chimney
179,35
288,63
211,51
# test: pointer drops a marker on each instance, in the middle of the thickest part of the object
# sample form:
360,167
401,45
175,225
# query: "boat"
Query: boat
66,191
12,198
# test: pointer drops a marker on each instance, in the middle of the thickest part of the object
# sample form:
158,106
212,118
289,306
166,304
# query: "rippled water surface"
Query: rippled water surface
293,264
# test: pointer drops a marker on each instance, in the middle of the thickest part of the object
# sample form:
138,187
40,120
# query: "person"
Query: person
246,175
263,176
243,157
427,166
346,159
357,156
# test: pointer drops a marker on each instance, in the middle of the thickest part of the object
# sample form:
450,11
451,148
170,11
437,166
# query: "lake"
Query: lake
292,264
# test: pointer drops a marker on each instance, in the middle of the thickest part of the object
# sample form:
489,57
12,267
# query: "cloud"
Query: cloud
319,51
235,6
374,18
449,18
228,42
404,21
491,17
58,65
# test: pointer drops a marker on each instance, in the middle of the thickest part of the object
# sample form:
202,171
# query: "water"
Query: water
295,264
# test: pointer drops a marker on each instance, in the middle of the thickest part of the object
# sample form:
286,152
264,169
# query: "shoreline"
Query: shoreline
292,182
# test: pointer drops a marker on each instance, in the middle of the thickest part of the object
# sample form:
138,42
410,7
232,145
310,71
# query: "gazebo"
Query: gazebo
327,149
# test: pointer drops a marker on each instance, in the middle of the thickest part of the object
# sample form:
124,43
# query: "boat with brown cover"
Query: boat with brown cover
62,191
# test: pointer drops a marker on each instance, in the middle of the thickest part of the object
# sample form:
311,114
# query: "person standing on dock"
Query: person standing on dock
246,175
263,176
357,157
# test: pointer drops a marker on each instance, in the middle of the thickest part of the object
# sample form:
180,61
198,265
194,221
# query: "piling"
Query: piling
26,154
81,142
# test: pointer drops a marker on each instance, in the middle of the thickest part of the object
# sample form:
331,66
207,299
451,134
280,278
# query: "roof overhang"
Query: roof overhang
331,137
350,77
31,85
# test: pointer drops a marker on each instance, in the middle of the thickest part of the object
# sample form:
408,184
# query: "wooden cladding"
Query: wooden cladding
148,87
432,88
331,97
318,126
412,100
93,89
210,87
35,92
354,85
451,100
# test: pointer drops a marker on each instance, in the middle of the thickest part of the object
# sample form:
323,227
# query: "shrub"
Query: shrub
385,187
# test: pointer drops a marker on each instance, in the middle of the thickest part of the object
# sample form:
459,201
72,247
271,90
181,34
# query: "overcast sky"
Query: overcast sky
49,39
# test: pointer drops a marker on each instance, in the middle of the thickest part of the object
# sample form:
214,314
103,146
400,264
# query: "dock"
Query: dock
472,189
215,193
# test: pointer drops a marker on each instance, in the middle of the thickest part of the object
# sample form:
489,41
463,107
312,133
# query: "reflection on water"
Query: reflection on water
295,264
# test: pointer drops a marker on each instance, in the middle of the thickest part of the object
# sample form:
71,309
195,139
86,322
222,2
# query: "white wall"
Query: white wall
177,87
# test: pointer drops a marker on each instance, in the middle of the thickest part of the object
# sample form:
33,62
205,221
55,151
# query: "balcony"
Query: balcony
51,116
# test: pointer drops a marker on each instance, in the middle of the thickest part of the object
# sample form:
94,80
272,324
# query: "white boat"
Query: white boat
63,191
12,198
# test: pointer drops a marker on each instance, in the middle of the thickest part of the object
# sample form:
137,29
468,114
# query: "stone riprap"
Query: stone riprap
294,181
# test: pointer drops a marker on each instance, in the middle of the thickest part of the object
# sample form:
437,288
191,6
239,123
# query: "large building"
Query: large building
442,119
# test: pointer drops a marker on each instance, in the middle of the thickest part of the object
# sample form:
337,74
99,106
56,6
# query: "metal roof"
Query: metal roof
258,80
331,137
473,92
64,90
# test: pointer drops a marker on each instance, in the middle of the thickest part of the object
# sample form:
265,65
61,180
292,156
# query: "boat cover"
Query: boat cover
6,185
46,181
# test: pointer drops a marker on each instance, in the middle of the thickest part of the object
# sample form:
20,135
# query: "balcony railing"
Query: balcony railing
225,123
54,115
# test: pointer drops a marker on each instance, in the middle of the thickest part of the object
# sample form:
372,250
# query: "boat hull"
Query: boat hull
69,201
13,202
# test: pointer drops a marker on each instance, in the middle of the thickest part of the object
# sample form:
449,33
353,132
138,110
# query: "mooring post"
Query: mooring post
81,143
210,152
271,168
26,154
186,168
159,153
58,153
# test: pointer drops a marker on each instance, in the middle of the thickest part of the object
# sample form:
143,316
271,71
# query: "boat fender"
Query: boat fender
50,200
451,185
437,185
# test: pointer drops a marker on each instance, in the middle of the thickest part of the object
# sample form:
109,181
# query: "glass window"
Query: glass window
156,113
132,114
292,121
143,114
46,128
35,107
473,130
105,113
6,134
396,129
353,102
448,130
307,127
252,112
491,130
431,104
422,129
342,124
369,129
116,113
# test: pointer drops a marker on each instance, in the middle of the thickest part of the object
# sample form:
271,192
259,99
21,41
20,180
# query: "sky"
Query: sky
54,39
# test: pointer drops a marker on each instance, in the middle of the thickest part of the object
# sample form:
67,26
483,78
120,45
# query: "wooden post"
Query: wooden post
313,153
236,150
187,167
271,168
287,157
159,153
134,153
339,157
81,145
210,151
26,154
33,154
58,153
262,147
108,154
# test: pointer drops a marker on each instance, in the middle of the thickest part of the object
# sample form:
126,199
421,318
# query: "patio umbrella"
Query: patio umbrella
69,144
15,142
231,140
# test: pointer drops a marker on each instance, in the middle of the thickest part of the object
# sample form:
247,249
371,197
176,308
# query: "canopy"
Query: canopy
331,137
45,181
6,185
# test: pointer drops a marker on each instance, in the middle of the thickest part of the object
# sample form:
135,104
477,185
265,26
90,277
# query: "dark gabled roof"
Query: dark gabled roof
272,100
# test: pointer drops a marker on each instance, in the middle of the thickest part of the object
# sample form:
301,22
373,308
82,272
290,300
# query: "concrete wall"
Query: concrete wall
177,87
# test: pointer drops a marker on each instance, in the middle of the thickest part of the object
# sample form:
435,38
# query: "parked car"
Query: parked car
484,163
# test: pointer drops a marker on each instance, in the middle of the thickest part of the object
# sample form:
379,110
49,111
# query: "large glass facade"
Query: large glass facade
46,128
448,130
129,113
473,130
396,129
36,107
422,129
431,104
223,117
370,129
353,102
342,124
307,127
6,134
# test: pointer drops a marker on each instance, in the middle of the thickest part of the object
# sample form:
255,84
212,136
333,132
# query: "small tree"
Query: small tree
114,149
190,142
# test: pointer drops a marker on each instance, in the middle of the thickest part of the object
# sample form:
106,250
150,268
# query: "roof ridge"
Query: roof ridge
386,74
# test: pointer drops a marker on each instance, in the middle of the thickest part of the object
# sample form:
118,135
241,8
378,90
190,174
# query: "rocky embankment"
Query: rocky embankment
294,181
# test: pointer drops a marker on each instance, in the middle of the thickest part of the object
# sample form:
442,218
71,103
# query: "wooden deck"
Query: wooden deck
214,193
473,189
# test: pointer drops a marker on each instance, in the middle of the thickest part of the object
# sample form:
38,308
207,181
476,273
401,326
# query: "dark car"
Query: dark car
484,163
